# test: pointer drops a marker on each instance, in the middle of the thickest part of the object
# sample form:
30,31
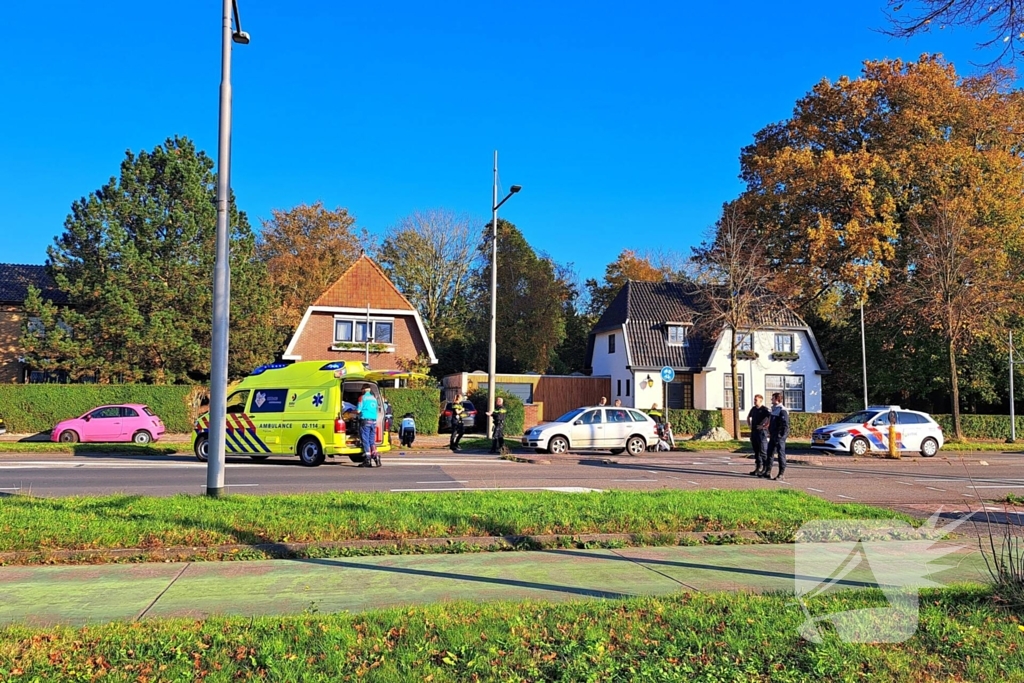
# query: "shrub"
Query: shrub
422,403
30,408
694,421
513,417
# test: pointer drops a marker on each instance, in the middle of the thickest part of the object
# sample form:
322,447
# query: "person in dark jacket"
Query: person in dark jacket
758,419
778,430
458,424
498,418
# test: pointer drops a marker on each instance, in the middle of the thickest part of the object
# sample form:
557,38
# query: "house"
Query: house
362,316
649,325
544,397
15,279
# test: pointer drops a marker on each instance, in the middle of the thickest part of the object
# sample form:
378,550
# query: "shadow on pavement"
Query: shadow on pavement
674,469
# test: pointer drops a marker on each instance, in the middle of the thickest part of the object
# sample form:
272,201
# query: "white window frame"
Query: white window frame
355,321
788,390
744,341
727,401
679,331
611,344
785,335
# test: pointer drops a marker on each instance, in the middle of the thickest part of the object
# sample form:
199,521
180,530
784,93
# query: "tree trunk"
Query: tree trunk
735,390
954,385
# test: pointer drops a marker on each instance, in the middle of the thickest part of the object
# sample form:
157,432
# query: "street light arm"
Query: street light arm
238,35
503,201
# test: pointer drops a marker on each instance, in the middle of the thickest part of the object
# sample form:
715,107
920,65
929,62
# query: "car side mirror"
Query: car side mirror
578,422
87,418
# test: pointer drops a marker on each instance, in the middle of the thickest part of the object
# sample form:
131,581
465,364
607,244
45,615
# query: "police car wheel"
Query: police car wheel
929,447
202,448
860,446
311,454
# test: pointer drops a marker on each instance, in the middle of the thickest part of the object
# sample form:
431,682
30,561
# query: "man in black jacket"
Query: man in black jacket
758,419
778,430
498,417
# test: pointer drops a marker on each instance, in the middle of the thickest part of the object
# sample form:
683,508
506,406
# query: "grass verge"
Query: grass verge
707,637
112,522
77,448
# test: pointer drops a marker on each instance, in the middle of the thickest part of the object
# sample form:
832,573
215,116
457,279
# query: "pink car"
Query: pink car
127,422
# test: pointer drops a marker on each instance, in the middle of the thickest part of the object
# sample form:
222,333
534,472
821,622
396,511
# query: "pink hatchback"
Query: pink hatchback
127,422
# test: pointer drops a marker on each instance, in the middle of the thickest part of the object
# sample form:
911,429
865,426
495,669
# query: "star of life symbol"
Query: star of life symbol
888,554
318,400
260,399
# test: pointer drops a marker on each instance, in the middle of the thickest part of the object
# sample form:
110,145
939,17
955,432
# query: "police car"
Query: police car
867,431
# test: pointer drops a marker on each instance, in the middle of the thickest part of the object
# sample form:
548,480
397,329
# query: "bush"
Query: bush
30,408
422,403
694,421
513,417
802,425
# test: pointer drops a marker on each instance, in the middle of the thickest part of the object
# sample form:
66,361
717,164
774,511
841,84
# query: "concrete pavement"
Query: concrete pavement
77,595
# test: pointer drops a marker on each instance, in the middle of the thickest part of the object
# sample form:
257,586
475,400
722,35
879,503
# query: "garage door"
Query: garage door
521,390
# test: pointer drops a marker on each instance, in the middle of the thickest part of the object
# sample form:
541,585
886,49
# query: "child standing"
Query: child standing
407,430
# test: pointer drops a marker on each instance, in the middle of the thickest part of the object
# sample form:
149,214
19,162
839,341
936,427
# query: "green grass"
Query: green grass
117,448
684,637
44,524
1011,499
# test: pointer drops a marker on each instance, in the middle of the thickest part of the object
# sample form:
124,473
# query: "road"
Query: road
915,483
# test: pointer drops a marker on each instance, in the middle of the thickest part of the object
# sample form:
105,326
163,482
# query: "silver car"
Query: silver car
598,428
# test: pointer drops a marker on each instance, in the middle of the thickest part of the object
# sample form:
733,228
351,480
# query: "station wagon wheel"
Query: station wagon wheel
636,445
929,447
860,446
142,437
311,453
202,448
68,436
558,445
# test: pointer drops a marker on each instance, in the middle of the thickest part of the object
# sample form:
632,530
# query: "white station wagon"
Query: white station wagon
598,428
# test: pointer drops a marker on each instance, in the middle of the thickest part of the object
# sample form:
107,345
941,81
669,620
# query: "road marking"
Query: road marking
999,486
671,477
449,481
634,480
236,485
818,490
694,483
969,494
935,489
846,497
13,488
905,483
558,489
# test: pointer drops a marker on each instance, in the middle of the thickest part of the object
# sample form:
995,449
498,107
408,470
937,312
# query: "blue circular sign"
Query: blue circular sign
667,374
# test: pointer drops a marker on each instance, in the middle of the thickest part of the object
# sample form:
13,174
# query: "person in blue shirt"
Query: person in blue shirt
368,407
407,430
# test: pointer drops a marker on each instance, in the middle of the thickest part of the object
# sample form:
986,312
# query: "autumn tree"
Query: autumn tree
136,261
305,249
430,257
1001,19
629,265
734,286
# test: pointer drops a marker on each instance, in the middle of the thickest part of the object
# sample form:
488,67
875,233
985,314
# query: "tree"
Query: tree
306,249
629,265
1002,18
571,354
430,257
961,279
136,261
530,323
734,283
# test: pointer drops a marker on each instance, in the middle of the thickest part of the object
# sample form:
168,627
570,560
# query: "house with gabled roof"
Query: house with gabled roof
15,279
650,326
362,315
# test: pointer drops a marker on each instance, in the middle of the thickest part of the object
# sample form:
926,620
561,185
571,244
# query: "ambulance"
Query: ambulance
306,409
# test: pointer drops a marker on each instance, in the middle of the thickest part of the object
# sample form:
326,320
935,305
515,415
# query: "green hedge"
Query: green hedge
974,426
514,415
694,421
802,424
31,408
422,403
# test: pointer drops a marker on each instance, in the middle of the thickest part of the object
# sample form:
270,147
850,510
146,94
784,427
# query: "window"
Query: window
728,390
354,331
611,343
382,332
618,388
790,386
627,387
637,416
361,332
236,401
128,412
272,401
592,418
618,415
677,335
784,343
342,330
113,411
744,341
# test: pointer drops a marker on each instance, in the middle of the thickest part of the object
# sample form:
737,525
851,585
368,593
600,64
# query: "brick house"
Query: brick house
335,326
15,279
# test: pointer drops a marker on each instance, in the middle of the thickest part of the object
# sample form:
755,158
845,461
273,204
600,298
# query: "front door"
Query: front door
587,430
105,424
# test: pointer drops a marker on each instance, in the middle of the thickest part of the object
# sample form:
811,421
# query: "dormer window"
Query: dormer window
677,335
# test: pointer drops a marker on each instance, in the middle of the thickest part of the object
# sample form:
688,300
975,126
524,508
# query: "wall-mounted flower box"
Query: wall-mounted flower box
361,346
743,354
785,355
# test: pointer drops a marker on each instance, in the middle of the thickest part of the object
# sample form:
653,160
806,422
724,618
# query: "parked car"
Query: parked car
612,429
127,422
868,431
3,426
444,423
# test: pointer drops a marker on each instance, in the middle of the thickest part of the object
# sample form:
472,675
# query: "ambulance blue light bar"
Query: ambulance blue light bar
271,366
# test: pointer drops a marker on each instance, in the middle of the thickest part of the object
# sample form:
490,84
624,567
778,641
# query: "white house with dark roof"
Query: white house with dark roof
649,325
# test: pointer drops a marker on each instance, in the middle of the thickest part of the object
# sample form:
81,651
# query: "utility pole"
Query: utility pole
864,354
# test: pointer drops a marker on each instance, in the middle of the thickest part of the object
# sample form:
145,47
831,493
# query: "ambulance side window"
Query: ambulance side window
273,401
236,401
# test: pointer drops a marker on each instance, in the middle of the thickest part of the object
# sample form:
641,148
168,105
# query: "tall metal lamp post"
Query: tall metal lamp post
492,357
222,267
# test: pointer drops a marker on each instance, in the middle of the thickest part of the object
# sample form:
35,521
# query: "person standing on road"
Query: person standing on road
368,428
458,424
758,419
778,430
498,418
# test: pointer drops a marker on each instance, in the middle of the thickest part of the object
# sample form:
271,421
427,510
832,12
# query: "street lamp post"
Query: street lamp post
492,357
222,268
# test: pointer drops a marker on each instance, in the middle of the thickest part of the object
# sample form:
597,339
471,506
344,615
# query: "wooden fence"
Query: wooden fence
560,394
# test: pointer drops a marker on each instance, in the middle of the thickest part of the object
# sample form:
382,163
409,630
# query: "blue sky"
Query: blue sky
622,121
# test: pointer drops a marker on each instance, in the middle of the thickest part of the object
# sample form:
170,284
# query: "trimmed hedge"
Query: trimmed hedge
422,403
514,415
974,426
694,421
31,408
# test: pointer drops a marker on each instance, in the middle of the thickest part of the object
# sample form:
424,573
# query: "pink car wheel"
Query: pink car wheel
68,436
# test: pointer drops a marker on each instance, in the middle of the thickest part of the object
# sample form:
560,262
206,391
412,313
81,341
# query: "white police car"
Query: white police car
868,431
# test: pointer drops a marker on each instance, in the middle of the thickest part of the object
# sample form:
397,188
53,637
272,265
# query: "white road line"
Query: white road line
13,488
237,485
999,486
634,480
905,483
559,489
694,483
969,494
935,489
671,477
449,481
818,490
846,497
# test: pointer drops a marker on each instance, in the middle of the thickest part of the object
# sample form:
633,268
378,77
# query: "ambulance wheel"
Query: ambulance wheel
202,448
860,446
259,458
311,453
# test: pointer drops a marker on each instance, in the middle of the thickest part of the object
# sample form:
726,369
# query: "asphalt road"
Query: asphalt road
913,484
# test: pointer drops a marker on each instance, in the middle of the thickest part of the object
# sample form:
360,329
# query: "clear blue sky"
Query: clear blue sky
623,121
